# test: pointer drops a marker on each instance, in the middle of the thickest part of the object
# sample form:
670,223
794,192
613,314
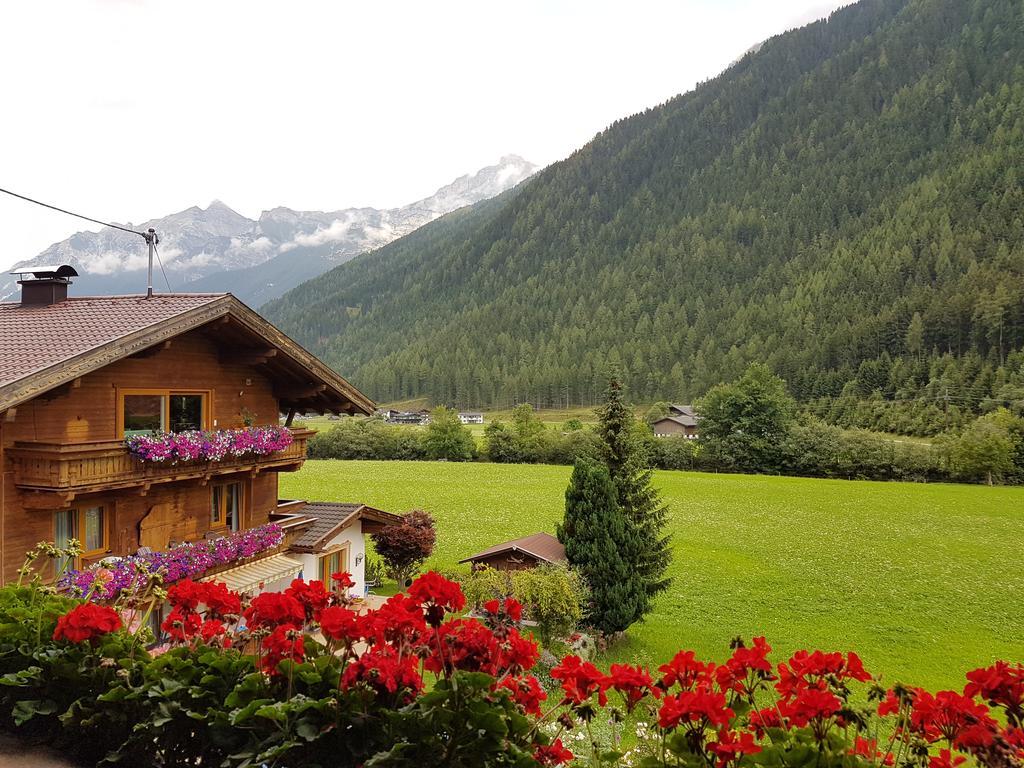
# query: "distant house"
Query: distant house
471,417
682,421
407,417
388,414
520,554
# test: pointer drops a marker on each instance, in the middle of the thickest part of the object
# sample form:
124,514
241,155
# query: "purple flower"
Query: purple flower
128,575
195,445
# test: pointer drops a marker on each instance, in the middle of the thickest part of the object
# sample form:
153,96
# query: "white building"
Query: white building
471,417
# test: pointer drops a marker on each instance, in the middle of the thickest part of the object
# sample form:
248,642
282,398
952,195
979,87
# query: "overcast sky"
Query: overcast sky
129,110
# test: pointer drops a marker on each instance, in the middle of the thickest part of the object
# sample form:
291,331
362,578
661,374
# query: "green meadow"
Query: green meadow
924,581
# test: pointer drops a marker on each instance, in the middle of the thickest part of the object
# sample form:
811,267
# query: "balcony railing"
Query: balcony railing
98,466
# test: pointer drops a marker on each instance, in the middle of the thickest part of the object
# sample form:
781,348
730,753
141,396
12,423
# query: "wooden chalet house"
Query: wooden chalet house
79,374
682,421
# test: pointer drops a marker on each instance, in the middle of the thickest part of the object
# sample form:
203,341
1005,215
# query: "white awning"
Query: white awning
251,577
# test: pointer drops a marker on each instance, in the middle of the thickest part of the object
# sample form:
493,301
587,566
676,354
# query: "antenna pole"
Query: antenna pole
151,240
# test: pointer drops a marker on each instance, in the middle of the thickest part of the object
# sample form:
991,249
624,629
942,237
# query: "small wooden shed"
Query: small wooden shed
519,554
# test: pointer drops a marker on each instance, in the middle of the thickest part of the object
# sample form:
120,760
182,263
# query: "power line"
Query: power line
72,213
150,237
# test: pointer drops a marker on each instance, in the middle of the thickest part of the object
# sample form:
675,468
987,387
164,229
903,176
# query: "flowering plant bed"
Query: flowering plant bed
197,445
415,683
131,574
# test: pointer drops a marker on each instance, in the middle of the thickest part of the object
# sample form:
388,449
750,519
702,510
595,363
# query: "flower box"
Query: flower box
130,574
198,445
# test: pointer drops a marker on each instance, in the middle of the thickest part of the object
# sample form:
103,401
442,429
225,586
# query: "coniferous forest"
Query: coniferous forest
844,204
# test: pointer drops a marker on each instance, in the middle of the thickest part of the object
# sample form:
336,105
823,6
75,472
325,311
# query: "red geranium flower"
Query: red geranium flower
86,622
437,595
580,680
685,670
634,683
526,692
186,595
731,746
213,629
950,715
311,595
399,621
342,580
285,642
518,654
220,600
552,754
512,609
1001,685
810,670
745,668
946,759
181,624
762,719
868,748
342,624
702,706
271,609
383,671
890,705
810,705
465,644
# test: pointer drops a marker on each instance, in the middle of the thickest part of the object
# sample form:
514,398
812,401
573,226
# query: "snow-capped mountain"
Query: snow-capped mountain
218,249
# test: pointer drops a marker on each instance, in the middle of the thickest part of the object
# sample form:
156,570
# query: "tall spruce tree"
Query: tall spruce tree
599,544
637,498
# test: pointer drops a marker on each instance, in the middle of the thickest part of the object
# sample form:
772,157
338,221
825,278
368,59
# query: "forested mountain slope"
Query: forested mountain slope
844,204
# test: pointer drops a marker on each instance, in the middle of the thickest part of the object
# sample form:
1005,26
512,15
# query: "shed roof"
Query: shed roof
45,346
682,410
330,518
542,546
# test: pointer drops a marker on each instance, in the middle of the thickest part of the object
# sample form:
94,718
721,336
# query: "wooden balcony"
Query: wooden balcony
74,469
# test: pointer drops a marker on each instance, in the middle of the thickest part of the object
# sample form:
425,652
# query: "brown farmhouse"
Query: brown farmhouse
78,374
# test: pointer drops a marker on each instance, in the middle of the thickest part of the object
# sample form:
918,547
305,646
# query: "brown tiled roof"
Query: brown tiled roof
35,337
542,546
330,518
46,346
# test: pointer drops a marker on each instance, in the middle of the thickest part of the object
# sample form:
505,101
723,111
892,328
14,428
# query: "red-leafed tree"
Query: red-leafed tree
405,546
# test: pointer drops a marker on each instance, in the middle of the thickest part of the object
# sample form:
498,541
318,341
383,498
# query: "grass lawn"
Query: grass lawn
924,581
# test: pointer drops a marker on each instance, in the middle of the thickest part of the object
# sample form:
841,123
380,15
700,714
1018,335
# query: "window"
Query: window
93,533
186,412
87,525
332,563
64,529
145,411
143,414
226,506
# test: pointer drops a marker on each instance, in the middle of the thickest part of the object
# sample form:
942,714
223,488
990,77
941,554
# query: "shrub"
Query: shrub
404,547
357,437
552,596
446,437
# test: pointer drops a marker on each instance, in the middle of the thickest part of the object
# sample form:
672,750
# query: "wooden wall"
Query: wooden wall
507,561
88,413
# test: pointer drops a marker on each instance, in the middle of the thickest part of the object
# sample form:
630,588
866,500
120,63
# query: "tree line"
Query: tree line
844,205
752,424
